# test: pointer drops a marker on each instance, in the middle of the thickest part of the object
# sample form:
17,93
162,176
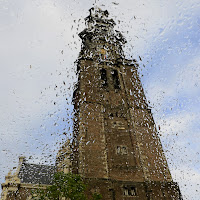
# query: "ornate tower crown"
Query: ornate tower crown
100,40
99,18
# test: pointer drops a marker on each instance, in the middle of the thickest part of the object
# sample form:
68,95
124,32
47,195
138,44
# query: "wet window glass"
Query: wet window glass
99,99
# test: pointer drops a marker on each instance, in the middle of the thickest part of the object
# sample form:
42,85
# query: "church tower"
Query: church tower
115,147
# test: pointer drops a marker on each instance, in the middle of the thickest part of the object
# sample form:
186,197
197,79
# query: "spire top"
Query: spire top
97,12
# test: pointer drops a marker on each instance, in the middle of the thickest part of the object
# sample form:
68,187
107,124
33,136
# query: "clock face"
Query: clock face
103,51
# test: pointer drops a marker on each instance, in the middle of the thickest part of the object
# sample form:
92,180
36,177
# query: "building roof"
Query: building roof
36,174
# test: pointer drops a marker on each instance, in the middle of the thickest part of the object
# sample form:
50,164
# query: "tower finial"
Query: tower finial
96,3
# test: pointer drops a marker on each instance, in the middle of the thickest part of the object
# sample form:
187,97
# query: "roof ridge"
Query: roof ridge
39,164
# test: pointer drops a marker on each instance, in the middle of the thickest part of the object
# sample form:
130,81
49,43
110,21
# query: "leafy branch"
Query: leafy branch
65,186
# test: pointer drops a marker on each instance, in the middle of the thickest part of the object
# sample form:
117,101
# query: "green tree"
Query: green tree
70,186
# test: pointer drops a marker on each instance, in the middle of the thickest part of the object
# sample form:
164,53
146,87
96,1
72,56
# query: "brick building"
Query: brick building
116,146
115,143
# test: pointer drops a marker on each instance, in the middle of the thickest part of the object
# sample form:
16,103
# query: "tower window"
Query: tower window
104,77
121,150
129,191
118,150
126,191
115,77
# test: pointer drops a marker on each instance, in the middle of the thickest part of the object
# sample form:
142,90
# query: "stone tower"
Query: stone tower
116,147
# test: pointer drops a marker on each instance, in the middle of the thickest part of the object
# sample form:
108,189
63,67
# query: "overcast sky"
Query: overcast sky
39,44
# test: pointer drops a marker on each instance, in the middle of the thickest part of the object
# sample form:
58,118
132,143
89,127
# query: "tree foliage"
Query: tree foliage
65,186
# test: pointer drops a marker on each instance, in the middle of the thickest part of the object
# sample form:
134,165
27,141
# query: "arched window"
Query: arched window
129,191
115,77
104,77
